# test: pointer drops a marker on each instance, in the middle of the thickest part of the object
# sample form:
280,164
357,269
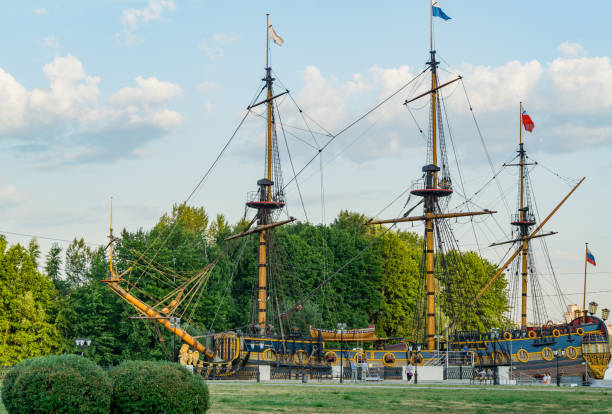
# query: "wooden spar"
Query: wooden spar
142,307
260,228
431,216
433,90
518,165
267,100
151,313
262,291
501,269
515,240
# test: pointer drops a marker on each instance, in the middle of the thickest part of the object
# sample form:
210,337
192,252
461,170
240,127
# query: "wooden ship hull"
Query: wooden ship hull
585,347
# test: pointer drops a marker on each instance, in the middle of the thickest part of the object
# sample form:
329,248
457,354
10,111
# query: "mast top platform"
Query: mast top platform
436,192
429,189
265,181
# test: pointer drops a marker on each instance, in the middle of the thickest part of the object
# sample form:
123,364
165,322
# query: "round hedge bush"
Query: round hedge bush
157,387
57,384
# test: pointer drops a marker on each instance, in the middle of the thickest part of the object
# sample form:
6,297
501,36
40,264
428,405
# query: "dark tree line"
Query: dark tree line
44,311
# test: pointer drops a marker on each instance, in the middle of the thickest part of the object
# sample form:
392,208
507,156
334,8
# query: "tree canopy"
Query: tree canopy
359,274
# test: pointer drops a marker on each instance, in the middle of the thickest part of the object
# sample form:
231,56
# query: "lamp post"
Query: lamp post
559,354
416,366
341,328
175,323
82,343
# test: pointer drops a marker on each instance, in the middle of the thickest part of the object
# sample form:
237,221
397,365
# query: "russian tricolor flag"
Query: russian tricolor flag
437,11
590,258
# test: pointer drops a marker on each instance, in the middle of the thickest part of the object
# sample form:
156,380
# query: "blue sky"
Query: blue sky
134,99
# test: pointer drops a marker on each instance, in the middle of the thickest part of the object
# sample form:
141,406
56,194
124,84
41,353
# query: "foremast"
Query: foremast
269,196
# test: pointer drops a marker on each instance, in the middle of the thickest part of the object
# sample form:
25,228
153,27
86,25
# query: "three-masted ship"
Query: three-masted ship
440,319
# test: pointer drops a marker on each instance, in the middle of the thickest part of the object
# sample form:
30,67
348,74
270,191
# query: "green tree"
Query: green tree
26,298
78,257
53,262
34,251
193,219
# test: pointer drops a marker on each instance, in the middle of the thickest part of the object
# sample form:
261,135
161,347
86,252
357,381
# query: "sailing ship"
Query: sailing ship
440,319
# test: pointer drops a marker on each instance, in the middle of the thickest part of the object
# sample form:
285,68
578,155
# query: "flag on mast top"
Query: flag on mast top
277,39
590,258
437,11
527,122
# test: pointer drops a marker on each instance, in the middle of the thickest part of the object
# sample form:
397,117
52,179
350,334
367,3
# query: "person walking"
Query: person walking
353,371
364,370
409,372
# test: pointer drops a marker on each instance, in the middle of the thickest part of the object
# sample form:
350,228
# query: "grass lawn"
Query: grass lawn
313,398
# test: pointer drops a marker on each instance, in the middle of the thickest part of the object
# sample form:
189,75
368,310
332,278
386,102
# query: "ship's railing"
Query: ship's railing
255,196
517,217
451,358
384,373
296,373
374,373
244,373
459,372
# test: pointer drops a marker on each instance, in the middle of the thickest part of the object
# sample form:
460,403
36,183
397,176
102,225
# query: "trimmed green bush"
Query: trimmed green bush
157,387
57,384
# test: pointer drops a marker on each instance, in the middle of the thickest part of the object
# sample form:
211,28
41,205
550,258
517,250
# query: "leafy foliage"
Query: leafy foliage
57,384
157,387
359,274
26,303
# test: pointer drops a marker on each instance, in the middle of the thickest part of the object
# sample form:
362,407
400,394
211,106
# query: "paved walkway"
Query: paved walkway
521,388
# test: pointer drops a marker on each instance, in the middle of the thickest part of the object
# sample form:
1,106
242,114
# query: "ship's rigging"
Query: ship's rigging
441,286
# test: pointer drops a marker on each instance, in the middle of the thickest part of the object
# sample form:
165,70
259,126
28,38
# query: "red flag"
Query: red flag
527,122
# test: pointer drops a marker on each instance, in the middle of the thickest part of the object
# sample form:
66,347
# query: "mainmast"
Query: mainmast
431,199
437,184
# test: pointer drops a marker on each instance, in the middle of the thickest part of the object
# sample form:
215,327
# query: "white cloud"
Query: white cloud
51,42
72,94
322,98
150,91
207,106
502,87
358,84
582,84
140,152
207,86
67,122
572,135
555,93
133,19
391,79
166,119
225,38
571,49
9,195
41,11
213,47
13,103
